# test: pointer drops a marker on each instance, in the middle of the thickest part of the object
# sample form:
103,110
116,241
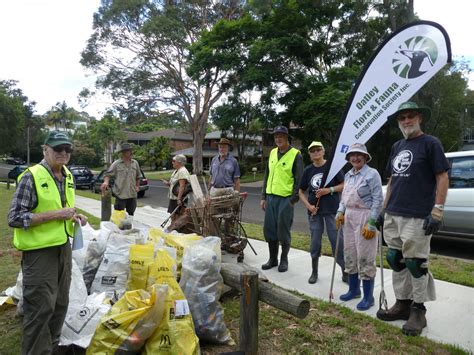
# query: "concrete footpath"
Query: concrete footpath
450,318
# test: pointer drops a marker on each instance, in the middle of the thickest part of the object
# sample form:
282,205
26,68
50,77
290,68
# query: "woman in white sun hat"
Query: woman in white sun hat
358,210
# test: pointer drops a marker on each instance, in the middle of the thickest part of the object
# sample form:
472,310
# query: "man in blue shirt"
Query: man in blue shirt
225,171
414,204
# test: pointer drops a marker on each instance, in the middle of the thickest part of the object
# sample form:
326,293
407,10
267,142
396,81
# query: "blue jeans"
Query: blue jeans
316,227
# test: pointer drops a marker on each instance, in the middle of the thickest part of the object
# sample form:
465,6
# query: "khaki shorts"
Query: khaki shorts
407,234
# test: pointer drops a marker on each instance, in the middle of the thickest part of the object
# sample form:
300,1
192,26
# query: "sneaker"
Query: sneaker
400,310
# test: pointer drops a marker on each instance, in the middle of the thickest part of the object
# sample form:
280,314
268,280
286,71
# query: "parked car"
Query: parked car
458,216
99,179
14,161
82,176
16,171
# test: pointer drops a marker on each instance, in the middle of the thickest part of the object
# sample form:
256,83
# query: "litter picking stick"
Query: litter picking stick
382,298
169,217
331,295
172,213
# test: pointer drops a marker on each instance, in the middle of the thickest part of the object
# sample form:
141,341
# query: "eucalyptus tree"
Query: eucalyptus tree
139,49
301,56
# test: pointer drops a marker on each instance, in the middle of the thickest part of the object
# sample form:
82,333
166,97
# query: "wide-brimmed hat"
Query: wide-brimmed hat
125,146
180,158
280,129
225,141
55,138
358,147
412,106
315,144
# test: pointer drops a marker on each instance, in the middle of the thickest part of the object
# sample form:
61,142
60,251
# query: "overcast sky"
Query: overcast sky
41,42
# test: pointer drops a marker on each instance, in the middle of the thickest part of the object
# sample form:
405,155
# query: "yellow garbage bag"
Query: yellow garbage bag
118,216
175,334
141,259
180,242
163,267
130,321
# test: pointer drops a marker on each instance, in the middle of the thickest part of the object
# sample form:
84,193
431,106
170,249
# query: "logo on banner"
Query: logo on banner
415,57
402,161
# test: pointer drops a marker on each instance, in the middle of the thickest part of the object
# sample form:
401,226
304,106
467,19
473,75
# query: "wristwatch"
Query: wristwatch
439,207
331,189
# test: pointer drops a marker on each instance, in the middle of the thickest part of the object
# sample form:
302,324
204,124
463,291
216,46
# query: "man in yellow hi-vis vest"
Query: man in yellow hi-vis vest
42,214
279,195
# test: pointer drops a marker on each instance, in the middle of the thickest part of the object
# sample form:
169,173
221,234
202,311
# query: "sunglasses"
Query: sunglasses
408,115
315,150
59,148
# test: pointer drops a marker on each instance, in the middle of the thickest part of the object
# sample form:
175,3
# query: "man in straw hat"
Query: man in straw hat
279,196
413,208
225,171
126,172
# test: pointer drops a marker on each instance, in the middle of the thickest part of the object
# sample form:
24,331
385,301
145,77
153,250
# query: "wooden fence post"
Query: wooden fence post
106,206
248,332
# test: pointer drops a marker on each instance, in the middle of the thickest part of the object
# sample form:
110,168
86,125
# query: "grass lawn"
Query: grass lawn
328,328
443,268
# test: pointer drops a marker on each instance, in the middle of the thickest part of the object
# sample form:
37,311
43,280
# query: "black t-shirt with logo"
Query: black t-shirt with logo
311,181
413,166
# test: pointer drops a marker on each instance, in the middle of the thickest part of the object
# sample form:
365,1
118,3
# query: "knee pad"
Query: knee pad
394,259
414,265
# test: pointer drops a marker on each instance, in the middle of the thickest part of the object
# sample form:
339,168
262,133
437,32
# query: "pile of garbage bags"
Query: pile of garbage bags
141,290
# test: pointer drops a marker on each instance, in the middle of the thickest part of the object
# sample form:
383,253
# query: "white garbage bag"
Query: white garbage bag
82,320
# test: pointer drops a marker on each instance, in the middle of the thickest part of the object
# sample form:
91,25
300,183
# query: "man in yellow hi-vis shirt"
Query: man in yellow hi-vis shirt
279,195
42,214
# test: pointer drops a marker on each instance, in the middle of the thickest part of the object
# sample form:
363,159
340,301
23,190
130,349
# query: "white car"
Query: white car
458,217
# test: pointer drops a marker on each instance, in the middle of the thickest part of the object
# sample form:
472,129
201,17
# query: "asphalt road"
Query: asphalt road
157,196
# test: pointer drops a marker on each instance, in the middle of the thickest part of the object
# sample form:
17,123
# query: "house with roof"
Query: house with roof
253,147
178,139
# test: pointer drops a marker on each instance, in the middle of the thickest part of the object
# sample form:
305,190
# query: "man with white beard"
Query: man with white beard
413,210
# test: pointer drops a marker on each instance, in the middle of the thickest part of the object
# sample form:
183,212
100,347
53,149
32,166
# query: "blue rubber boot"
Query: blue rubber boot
354,288
368,300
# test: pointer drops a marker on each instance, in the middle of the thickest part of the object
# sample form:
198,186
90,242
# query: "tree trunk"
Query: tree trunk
199,132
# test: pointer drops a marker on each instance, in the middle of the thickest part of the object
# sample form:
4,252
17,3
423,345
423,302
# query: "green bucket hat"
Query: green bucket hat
412,106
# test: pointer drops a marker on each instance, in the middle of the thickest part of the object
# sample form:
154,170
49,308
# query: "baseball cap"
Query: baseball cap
280,129
55,138
315,144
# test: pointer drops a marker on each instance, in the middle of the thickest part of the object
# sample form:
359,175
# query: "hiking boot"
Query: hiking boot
273,259
400,310
354,288
416,322
314,275
285,248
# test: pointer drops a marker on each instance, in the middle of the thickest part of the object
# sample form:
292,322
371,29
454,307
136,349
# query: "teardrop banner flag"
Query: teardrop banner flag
402,64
